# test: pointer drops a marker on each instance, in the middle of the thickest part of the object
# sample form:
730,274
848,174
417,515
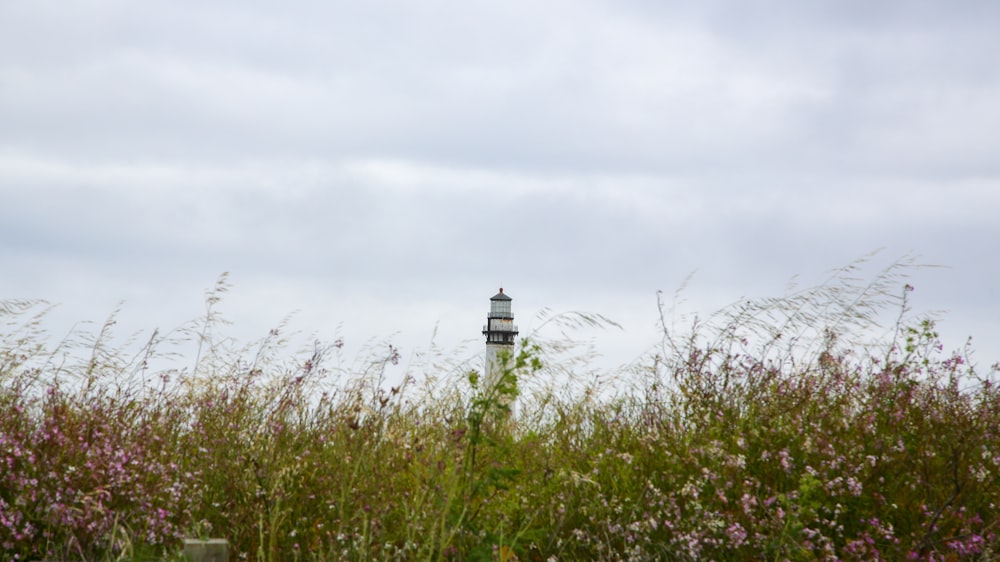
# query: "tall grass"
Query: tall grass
779,429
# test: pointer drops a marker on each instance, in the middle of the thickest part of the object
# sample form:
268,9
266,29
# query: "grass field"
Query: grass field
780,429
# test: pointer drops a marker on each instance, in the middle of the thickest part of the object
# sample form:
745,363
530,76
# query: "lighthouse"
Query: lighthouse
500,332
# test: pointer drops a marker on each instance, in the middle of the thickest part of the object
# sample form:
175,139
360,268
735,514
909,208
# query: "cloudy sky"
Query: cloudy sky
382,167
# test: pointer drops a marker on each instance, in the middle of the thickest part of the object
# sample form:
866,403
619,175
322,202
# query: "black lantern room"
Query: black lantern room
500,328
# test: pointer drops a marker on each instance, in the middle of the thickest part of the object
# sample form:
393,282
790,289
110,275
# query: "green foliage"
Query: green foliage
489,469
773,431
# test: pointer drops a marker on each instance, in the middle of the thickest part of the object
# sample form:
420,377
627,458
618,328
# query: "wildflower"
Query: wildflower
737,534
785,460
748,502
739,461
854,486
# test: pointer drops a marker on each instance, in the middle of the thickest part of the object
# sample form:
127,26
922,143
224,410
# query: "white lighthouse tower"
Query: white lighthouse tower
500,332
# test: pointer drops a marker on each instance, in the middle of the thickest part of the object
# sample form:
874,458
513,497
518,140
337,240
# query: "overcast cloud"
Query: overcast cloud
382,167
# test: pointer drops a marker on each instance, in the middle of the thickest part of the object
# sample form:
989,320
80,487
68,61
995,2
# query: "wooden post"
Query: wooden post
211,550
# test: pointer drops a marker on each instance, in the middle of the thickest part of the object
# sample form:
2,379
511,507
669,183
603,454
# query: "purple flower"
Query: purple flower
736,534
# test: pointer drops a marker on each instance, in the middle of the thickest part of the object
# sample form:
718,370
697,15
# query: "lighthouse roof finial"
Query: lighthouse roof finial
501,296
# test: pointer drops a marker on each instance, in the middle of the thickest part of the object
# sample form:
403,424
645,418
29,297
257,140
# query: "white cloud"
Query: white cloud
347,159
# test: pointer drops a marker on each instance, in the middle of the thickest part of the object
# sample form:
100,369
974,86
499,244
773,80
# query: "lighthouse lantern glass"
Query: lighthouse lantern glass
500,307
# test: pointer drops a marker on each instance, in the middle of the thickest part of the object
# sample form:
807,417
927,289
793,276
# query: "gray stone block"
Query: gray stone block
210,550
